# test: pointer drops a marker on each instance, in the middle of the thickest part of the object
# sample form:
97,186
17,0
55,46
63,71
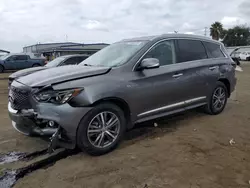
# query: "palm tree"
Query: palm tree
216,30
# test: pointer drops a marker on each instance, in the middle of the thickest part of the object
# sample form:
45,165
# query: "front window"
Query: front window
115,54
55,62
164,52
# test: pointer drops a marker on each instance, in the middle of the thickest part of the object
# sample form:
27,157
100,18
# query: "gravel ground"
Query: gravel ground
191,149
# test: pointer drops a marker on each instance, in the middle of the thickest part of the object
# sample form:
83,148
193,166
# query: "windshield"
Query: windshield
4,57
55,62
115,54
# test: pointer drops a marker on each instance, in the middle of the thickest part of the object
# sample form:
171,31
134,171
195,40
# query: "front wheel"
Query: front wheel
101,130
218,99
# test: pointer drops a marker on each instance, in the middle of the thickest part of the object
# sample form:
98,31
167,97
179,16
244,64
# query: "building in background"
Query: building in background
53,50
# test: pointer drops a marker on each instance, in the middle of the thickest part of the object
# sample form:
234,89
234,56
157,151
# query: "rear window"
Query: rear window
190,50
21,57
213,50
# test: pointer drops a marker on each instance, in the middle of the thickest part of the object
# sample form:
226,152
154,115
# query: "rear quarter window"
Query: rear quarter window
190,50
213,50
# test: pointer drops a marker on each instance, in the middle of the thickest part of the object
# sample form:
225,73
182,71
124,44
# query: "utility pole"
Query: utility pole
205,32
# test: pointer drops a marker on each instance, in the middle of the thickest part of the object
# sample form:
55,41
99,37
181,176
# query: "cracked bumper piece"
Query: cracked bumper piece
65,116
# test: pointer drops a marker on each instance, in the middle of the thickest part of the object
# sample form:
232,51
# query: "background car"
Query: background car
19,61
245,56
235,55
60,61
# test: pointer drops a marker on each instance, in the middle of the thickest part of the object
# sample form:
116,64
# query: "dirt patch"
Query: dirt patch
191,149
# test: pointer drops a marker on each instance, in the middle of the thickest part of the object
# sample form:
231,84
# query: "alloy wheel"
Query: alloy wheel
219,98
103,129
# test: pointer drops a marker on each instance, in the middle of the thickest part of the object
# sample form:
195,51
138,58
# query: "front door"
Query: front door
162,89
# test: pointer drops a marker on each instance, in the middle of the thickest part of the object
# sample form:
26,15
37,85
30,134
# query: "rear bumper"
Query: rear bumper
66,117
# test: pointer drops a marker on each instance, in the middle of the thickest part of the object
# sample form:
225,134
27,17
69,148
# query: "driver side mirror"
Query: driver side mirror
149,63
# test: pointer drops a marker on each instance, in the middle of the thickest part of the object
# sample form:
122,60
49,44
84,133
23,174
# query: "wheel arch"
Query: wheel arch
2,66
121,103
227,84
34,64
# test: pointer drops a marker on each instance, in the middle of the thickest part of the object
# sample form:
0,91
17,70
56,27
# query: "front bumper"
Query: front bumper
65,116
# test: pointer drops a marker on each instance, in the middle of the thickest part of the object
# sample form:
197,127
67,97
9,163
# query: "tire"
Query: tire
85,139
1,69
36,65
248,58
210,108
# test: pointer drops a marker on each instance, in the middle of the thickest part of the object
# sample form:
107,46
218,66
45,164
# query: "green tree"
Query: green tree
216,30
237,36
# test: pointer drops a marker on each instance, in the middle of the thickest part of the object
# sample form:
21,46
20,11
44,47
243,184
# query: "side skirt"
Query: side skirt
169,112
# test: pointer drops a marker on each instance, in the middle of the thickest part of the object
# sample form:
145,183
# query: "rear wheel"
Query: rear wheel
218,99
101,130
36,65
1,69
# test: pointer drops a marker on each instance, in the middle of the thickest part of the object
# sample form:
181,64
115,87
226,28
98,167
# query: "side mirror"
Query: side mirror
149,63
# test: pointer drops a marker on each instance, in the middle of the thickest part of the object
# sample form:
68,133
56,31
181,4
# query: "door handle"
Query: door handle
212,68
177,75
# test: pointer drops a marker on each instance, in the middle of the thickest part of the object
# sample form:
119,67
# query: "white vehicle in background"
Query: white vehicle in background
245,56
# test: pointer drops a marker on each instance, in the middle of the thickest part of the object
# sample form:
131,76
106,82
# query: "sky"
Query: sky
28,22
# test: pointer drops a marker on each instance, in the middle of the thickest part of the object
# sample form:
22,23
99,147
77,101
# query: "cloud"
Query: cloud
232,21
95,25
32,21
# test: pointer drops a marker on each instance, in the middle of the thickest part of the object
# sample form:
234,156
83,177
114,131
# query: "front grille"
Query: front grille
19,98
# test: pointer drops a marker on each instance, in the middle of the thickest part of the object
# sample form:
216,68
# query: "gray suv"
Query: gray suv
91,105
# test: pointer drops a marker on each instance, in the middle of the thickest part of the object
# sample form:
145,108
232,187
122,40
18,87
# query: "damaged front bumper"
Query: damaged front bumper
66,117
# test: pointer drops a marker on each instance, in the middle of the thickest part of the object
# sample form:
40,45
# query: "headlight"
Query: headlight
58,97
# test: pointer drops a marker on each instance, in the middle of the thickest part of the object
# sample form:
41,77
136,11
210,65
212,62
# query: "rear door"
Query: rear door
215,62
21,62
191,55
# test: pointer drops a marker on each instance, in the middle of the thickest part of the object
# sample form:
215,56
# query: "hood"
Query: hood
235,50
61,74
25,72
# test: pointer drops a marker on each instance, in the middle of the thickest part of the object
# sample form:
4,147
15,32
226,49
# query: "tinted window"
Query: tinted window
190,50
164,52
21,57
213,50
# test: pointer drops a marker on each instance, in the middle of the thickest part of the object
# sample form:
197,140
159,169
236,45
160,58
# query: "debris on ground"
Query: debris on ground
232,142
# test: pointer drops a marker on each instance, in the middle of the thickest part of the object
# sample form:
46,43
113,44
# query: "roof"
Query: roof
63,43
75,55
172,35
